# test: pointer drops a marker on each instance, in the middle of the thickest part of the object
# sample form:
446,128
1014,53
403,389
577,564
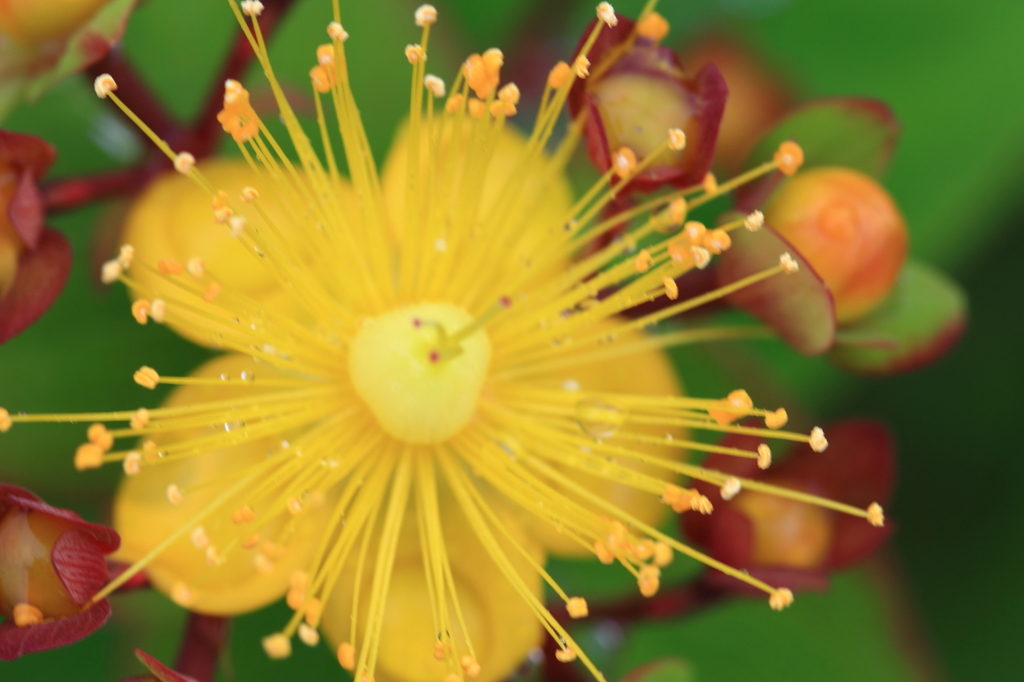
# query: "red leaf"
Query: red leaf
798,307
41,277
16,642
161,671
79,564
105,538
27,211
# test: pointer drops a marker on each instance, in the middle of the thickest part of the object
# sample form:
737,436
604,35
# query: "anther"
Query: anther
671,288
263,564
625,162
5,421
643,261
139,418
100,436
662,554
676,139
336,32
731,488
242,515
577,607
780,599
174,495
559,75
414,53
236,225
764,456
677,252
26,615
754,221
212,556
701,257
581,66
169,266
277,646
146,377
876,517
606,13
425,15
604,555
717,241
184,163
252,8
643,550
652,26
347,656
440,651
434,85
195,267
789,264
104,85
111,271
251,542
776,419
471,666
308,635
454,103
649,580
249,194
199,538
140,311
789,157
477,108
499,110
294,505
88,456
738,399
566,655
211,292
126,255
710,183
181,595
677,210
158,310
695,232
817,440
132,464
312,611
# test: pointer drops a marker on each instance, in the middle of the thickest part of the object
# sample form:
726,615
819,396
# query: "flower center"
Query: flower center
419,376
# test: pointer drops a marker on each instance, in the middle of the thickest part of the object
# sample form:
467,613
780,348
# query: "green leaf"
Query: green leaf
85,46
662,670
920,320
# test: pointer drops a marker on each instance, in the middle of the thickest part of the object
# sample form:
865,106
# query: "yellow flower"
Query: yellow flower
423,391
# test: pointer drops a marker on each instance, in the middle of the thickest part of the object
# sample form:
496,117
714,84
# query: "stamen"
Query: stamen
817,440
754,221
104,85
764,456
146,377
26,615
277,646
111,271
425,15
780,599
731,488
606,14
876,516
652,26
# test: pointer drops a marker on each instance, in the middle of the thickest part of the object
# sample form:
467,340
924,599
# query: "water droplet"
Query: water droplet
599,419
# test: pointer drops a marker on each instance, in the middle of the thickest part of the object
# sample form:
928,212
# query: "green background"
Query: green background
942,602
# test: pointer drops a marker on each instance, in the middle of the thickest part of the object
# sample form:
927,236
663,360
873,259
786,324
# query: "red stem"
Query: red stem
201,646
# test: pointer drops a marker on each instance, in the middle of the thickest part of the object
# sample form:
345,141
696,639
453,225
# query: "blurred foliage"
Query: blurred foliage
949,71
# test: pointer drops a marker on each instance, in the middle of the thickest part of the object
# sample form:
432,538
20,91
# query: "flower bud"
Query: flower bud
849,229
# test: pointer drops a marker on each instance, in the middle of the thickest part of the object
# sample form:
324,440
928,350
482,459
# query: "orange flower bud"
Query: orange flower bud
849,229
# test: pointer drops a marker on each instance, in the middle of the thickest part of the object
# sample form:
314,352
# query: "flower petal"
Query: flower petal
797,306
104,538
160,671
79,564
16,642
41,277
922,318
27,211
27,152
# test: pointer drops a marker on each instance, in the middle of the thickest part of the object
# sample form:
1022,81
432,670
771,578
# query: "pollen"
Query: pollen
789,157
559,75
676,139
652,26
140,310
174,495
581,66
777,419
789,264
754,221
780,599
425,15
764,456
184,163
146,377
88,456
111,271
731,488
606,13
347,656
434,85
104,85
817,440
671,288
643,261
876,517
277,646
26,615
132,464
